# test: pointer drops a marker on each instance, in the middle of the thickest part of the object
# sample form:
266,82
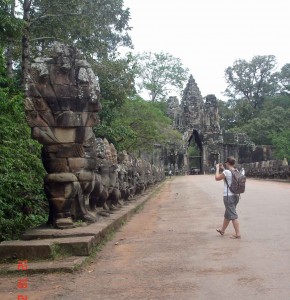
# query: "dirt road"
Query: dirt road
170,250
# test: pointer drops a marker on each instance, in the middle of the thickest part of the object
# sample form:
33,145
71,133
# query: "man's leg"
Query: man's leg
224,227
236,227
225,224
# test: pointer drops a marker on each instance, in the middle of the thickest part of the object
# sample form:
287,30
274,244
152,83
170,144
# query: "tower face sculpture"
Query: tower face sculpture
61,109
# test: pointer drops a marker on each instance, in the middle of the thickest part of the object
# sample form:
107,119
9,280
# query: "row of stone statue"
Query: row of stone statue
271,169
85,174
85,192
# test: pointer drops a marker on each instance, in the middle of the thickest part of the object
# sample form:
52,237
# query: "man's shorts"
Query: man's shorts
230,203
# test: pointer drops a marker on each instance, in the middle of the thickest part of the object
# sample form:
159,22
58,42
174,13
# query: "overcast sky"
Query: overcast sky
209,35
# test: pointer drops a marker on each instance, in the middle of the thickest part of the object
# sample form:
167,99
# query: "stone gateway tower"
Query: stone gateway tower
198,119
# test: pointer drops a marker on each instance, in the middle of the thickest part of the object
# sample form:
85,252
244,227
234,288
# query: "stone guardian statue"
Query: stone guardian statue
61,108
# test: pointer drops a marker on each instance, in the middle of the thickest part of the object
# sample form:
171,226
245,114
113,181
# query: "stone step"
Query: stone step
66,265
98,228
47,248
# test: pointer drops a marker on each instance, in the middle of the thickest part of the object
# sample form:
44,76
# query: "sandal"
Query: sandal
220,232
235,236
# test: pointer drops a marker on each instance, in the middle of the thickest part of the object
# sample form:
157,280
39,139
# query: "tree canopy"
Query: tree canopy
252,80
96,27
259,100
160,74
284,79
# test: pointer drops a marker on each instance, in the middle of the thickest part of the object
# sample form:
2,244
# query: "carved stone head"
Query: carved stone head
62,98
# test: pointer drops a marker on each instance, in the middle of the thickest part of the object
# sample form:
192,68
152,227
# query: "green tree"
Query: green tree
280,100
258,129
226,117
10,25
10,32
116,77
160,73
139,125
253,80
235,113
270,122
97,27
281,142
284,79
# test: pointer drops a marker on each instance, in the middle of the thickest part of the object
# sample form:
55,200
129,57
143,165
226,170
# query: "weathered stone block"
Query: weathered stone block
33,91
91,163
66,135
92,119
85,92
69,119
80,246
52,103
55,165
60,177
82,134
73,150
86,176
64,91
46,90
69,103
76,164
48,248
25,249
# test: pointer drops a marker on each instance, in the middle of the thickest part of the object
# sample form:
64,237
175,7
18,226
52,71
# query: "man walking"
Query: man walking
230,200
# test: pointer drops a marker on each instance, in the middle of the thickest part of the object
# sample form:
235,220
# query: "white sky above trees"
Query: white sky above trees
209,35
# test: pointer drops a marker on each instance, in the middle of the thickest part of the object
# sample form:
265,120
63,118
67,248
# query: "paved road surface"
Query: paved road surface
170,250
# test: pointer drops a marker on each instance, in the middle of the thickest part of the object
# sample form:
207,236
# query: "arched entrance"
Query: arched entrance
195,150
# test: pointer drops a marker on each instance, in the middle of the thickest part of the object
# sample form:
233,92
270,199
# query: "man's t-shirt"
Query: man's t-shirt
227,191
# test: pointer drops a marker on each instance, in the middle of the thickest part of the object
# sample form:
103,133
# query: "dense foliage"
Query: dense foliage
139,125
281,142
22,202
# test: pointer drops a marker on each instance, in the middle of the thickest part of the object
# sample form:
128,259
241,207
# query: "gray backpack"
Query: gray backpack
238,184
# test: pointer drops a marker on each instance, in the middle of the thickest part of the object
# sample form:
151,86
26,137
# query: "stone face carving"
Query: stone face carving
61,108
192,106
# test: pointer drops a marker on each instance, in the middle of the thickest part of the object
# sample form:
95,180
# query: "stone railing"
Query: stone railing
270,169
